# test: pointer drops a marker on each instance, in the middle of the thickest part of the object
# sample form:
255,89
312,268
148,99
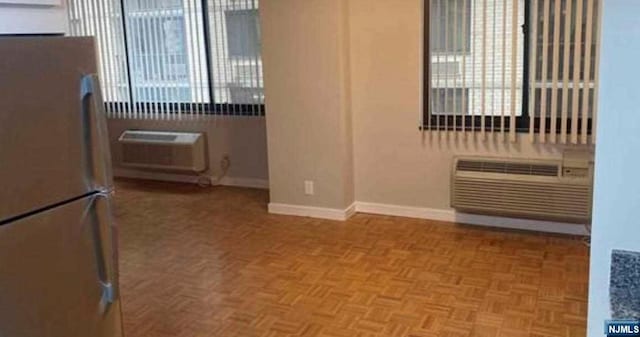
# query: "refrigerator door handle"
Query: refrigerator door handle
105,250
97,138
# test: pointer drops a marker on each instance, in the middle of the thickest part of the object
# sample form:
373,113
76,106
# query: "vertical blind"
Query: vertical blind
175,58
476,66
564,63
497,67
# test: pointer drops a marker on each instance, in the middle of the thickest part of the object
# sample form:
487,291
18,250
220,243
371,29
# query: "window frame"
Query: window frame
210,108
474,123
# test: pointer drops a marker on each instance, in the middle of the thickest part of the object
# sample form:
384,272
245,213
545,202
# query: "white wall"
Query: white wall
617,184
32,19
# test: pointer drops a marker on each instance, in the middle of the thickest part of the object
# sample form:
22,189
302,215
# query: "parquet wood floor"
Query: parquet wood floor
212,262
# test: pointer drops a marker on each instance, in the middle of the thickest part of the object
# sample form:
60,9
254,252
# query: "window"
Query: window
471,71
243,44
450,101
561,35
511,64
175,56
243,33
453,17
170,47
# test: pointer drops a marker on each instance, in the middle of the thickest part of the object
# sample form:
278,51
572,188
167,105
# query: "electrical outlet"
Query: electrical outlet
308,187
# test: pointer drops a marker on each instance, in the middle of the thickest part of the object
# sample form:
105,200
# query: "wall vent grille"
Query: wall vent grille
545,170
520,188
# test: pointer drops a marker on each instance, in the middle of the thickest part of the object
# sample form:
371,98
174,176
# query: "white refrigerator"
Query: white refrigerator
58,240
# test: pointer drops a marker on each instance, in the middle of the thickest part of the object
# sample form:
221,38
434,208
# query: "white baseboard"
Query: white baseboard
445,215
245,182
313,212
450,215
350,211
405,211
191,179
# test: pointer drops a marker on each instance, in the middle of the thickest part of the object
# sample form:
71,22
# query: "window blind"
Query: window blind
475,66
563,85
103,19
497,67
175,58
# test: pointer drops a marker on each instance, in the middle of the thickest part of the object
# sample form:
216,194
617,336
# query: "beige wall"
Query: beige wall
310,111
306,72
242,138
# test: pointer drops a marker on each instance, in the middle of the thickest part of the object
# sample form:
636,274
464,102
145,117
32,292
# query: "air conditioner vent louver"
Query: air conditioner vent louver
180,151
520,188
546,170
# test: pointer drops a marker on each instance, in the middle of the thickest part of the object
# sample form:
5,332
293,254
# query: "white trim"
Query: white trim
245,182
404,211
350,211
191,179
523,224
450,215
313,212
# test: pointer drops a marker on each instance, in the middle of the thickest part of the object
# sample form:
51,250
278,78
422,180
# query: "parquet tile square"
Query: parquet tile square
212,262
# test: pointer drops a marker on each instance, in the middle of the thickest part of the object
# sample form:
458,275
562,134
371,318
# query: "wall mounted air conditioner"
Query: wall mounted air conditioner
559,190
160,150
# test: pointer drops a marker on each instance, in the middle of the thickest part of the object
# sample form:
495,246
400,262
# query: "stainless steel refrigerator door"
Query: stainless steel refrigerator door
49,152
58,273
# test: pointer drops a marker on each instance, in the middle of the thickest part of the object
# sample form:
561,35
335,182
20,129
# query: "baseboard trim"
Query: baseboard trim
450,215
191,179
350,211
404,211
313,212
245,182
444,215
